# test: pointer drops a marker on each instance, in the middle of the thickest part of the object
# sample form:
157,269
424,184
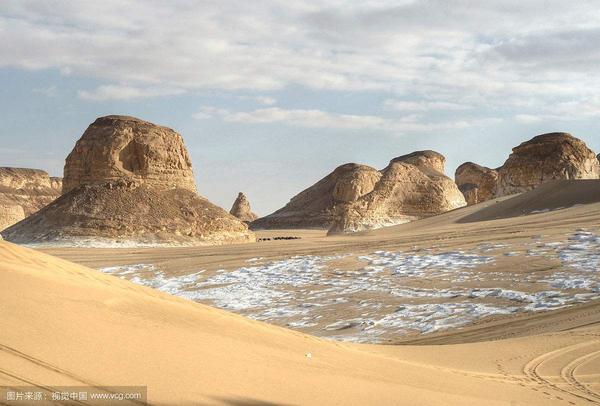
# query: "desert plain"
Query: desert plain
495,304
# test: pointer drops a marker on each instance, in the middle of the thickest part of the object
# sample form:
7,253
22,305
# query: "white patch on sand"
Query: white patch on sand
254,259
380,223
424,265
304,292
581,256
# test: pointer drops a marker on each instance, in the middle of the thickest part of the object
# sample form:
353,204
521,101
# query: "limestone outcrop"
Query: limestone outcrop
314,207
129,182
411,187
357,197
23,192
424,159
544,158
241,209
115,147
477,183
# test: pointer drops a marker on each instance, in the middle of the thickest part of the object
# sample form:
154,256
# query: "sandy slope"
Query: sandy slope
66,324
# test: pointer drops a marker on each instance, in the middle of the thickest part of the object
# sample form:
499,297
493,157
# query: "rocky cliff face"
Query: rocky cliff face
115,147
241,209
129,181
477,183
23,192
410,187
356,197
544,158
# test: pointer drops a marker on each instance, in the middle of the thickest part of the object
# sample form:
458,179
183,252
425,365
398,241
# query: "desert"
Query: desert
305,203
485,303
536,355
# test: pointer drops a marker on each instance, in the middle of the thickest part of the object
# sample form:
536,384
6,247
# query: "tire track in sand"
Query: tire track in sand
568,374
573,386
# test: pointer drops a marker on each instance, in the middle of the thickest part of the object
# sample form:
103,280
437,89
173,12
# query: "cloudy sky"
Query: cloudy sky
272,95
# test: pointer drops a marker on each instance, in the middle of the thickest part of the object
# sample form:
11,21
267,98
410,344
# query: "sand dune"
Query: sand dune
64,324
549,196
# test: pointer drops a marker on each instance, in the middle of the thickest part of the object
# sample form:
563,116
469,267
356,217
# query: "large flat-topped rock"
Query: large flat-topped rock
115,147
544,158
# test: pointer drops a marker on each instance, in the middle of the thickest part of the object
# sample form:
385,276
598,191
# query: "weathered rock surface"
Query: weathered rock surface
544,158
23,192
115,147
129,182
356,197
477,183
241,209
125,212
424,159
10,214
411,187
314,207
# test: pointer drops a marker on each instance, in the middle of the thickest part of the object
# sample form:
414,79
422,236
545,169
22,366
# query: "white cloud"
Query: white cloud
314,118
405,105
49,91
448,53
267,101
206,112
263,100
528,118
562,111
307,118
123,92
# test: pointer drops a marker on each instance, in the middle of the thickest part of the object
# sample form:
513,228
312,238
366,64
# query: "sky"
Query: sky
270,96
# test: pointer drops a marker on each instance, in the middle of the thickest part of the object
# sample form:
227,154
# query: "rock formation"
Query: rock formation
314,207
356,197
424,159
24,192
544,158
10,213
128,181
241,209
115,147
477,183
411,187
